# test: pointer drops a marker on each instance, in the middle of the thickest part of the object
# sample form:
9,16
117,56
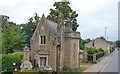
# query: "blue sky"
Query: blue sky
93,15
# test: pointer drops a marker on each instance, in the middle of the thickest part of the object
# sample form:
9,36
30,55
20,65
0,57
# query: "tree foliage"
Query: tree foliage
102,38
94,50
83,42
12,37
117,43
66,10
30,27
9,59
5,20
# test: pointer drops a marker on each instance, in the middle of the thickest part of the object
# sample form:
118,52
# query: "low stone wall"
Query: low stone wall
92,57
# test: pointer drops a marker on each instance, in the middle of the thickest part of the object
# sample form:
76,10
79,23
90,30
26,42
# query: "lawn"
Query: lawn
84,66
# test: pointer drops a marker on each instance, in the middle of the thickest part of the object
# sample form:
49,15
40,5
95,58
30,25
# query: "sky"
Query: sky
93,15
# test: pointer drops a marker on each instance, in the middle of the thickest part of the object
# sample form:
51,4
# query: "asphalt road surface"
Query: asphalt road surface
113,65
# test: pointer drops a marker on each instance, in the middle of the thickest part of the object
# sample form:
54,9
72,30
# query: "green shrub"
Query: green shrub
94,51
9,59
101,50
68,69
111,49
91,51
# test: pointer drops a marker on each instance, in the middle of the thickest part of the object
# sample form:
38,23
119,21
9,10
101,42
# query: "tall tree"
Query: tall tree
5,20
12,37
66,10
30,27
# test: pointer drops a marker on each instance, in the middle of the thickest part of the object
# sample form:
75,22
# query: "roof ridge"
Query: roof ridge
52,21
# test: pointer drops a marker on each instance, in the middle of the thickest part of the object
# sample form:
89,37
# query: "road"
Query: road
113,64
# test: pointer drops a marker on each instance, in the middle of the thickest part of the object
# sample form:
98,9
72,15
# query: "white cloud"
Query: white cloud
8,3
94,15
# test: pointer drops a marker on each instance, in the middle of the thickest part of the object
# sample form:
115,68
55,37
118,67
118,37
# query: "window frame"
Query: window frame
43,39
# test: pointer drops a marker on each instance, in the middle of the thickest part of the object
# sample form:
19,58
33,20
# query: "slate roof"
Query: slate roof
52,25
53,28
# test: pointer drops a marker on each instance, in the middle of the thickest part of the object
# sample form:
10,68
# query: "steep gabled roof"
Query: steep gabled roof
53,28
52,25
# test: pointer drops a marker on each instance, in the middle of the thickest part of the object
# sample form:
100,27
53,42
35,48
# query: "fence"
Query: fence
94,57
99,55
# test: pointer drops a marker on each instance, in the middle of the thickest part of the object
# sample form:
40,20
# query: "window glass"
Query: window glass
43,39
42,61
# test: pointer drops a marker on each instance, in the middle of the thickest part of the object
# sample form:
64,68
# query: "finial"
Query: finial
43,15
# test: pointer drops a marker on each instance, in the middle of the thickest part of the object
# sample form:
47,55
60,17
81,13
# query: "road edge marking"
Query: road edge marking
101,70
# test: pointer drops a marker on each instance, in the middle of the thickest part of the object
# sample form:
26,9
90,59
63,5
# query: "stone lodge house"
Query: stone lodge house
55,45
100,43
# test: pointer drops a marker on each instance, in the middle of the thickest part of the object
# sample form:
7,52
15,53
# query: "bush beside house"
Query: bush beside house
68,69
94,51
9,59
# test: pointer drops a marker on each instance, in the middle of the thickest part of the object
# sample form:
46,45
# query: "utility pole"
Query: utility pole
105,32
119,20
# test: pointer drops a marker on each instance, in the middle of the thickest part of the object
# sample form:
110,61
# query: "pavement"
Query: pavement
100,64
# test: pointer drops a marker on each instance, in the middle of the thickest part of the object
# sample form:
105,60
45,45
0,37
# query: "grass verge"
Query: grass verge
84,65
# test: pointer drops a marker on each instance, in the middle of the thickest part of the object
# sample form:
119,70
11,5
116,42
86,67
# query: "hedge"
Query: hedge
9,59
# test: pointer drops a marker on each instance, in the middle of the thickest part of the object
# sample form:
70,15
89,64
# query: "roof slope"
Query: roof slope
53,28
52,25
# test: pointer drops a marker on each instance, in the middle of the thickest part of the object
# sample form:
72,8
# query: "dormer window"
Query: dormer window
43,39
